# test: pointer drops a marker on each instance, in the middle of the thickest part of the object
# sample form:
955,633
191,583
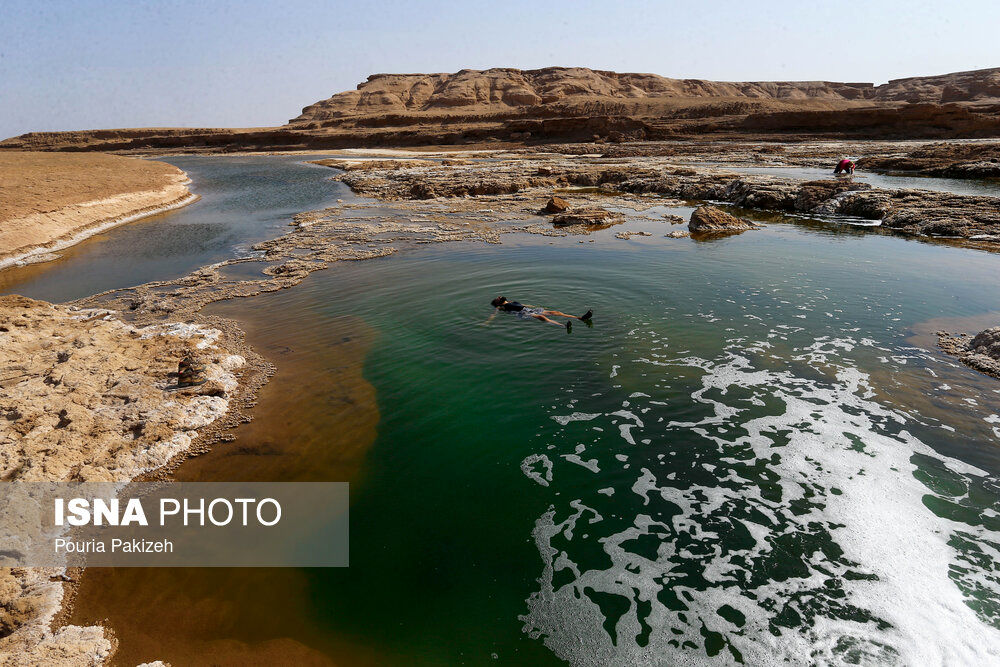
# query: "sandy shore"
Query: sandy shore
84,399
49,201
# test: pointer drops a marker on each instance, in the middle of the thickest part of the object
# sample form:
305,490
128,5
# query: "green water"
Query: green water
715,370
754,455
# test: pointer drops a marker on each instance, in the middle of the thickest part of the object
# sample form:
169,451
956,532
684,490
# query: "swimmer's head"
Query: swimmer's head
499,301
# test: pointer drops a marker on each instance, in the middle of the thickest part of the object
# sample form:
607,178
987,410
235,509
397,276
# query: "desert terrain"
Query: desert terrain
579,104
556,152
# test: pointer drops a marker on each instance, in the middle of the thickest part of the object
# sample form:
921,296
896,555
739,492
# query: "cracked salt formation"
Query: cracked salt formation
85,398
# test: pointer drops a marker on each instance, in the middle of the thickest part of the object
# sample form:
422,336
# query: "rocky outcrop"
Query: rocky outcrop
710,220
508,87
949,160
909,211
812,194
914,121
981,85
987,343
589,217
514,88
981,352
573,104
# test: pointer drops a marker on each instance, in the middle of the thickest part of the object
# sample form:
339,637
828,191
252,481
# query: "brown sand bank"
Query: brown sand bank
49,201
84,399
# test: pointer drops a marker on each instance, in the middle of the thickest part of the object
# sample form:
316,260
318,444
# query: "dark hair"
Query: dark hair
497,301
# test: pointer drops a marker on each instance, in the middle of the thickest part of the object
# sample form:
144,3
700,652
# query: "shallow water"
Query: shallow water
244,200
965,186
747,457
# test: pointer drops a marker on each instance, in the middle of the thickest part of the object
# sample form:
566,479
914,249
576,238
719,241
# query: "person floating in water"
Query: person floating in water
503,305
845,166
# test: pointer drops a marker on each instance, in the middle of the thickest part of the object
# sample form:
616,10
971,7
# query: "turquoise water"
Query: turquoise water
754,455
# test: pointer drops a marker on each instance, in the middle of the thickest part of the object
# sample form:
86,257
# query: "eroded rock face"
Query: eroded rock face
984,352
709,219
950,160
507,87
813,193
987,342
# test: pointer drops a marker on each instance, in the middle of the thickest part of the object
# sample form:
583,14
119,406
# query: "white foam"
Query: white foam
846,472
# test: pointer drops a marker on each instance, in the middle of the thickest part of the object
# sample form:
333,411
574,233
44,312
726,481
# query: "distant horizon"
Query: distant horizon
100,64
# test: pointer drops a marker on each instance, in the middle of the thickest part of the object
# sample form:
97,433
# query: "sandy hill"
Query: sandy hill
558,104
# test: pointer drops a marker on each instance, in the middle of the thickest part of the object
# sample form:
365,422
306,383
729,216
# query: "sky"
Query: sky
89,64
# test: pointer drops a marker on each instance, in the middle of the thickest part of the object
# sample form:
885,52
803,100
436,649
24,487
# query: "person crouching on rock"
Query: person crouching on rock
845,166
503,305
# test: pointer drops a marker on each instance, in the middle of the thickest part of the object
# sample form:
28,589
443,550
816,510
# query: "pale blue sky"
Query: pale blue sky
91,64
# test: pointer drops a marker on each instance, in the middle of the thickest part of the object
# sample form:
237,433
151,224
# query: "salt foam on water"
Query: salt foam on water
876,578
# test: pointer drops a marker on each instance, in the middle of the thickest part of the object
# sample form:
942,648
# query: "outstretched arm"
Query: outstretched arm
490,318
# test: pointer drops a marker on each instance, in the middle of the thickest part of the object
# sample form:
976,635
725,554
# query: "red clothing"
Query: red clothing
844,165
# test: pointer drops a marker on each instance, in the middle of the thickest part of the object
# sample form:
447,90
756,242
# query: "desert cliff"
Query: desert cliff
579,104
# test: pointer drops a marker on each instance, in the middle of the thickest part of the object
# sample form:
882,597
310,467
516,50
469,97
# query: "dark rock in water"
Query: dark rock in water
674,219
556,205
982,169
987,342
587,216
868,204
981,352
942,214
711,219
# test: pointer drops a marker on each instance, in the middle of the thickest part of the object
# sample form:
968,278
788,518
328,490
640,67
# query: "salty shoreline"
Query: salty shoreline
326,236
53,201
86,400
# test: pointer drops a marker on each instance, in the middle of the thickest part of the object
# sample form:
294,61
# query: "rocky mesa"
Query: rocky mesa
579,104
555,87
